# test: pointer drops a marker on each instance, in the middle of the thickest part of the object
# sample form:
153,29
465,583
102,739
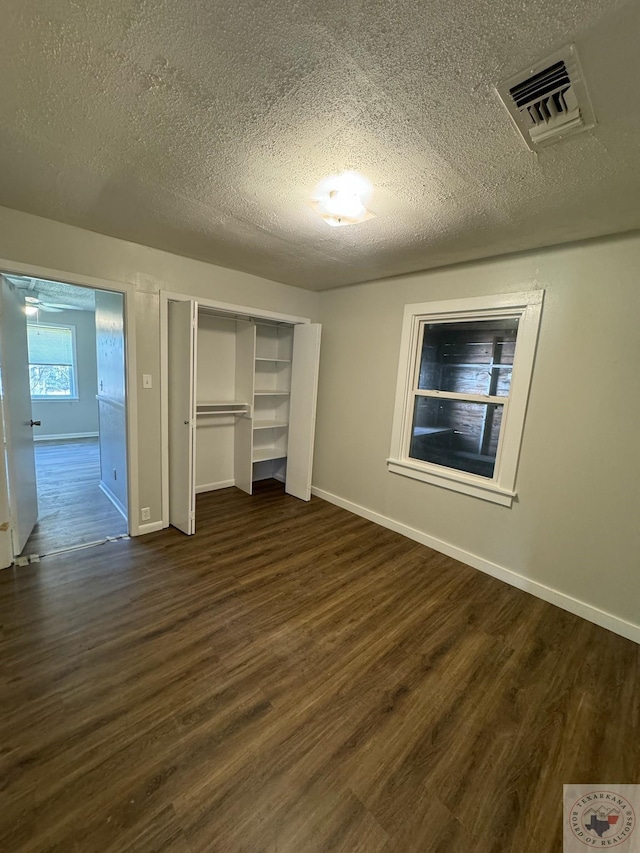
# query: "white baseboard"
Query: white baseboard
65,436
212,487
149,527
573,605
114,500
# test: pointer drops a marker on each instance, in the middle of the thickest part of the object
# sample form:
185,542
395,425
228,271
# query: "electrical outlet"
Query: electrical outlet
145,513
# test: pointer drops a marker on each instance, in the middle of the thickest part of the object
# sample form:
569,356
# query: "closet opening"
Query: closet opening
240,402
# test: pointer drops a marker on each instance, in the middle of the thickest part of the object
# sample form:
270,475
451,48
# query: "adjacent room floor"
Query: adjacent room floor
72,508
294,678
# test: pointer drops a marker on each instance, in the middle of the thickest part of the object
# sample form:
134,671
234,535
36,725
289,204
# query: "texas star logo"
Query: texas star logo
602,819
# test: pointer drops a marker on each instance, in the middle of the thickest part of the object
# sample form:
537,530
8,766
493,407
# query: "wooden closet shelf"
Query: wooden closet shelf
272,393
269,424
230,404
222,407
208,412
267,454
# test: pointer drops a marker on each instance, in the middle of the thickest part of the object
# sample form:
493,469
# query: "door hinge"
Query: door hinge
192,515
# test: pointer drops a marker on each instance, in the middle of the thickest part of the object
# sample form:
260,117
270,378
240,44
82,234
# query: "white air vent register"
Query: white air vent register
550,100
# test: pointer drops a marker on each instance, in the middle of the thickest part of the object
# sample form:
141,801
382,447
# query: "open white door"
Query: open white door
182,340
16,410
112,398
302,413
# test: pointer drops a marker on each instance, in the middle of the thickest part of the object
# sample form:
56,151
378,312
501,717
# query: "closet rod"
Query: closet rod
226,315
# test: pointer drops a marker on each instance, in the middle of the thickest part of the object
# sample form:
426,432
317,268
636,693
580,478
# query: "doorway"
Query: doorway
249,415
74,377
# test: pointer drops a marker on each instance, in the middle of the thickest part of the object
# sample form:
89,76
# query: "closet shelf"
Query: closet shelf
267,454
269,424
233,403
209,412
280,360
222,407
272,393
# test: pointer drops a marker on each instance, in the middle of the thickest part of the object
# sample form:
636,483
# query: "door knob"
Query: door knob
36,423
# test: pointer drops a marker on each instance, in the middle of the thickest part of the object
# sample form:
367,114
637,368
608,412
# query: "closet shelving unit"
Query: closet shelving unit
271,398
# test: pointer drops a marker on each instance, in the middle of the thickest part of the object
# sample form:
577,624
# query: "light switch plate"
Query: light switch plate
146,380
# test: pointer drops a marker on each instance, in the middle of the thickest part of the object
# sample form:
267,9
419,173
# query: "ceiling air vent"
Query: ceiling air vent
550,100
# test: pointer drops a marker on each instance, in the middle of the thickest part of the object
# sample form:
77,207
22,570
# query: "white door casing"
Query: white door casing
19,456
182,342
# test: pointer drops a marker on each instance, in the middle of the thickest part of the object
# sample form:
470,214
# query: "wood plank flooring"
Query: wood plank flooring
72,509
295,679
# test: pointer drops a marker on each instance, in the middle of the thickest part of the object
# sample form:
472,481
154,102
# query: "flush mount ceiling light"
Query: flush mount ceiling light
342,199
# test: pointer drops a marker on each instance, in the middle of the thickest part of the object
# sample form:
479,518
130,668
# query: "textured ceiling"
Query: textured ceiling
202,127
57,293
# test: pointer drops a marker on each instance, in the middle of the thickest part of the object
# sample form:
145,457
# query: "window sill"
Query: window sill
55,399
456,481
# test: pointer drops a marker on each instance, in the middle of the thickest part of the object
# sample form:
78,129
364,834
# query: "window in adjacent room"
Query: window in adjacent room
52,362
463,384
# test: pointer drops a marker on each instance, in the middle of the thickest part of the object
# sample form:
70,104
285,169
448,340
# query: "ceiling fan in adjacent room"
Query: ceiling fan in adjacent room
35,304
52,296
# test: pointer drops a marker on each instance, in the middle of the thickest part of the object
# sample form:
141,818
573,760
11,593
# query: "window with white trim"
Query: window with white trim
463,384
52,362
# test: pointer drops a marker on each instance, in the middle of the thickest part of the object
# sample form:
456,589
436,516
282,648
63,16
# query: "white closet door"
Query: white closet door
183,330
18,425
302,411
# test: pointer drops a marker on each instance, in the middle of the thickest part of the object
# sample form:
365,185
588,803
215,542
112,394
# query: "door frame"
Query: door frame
243,312
8,267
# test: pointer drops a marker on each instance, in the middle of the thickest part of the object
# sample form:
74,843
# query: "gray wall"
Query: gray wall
71,417
35,241
574,525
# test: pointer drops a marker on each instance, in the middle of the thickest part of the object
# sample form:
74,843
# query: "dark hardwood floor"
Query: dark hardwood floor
295,679
72,509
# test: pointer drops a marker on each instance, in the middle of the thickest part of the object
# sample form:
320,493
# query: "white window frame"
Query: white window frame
527,308
74,397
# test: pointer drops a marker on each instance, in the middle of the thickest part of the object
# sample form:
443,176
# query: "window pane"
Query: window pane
50,344
49,380
468,358
456,434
